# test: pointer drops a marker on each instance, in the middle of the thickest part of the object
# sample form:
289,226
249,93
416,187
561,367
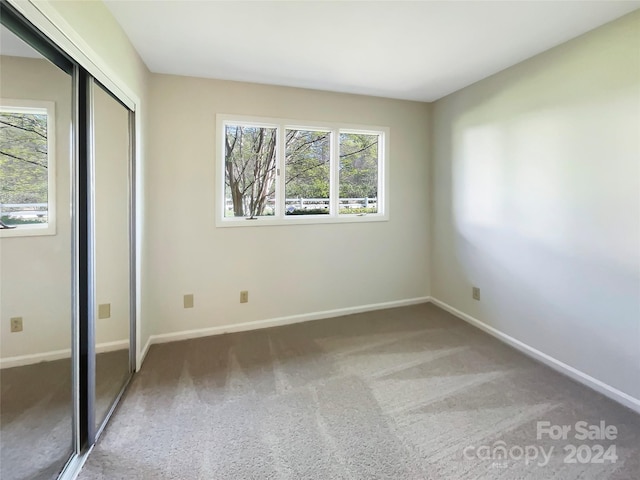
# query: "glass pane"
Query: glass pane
112,288
358,173
250,171
24,164
36,408
307,155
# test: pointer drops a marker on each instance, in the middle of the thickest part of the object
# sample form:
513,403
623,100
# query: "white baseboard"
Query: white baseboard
112,346
22,360
276,322
204,332
143,353
591,382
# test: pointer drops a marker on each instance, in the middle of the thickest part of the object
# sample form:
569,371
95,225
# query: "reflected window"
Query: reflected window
27,167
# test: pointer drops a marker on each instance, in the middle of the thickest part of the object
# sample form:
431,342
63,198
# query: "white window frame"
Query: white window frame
222,120
48,108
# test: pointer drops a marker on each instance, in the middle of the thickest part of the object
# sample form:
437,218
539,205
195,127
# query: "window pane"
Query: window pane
358,173
307,155
23,168
250,171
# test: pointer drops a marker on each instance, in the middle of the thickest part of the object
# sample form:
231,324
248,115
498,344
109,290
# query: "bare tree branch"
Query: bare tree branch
358,151
4,122
7,154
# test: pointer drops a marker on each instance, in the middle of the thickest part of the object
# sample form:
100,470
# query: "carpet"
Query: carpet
405,393
36,413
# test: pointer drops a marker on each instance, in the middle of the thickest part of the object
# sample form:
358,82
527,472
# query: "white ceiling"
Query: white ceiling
420,50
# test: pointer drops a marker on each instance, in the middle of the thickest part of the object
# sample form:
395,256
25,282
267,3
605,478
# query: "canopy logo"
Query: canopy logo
500,454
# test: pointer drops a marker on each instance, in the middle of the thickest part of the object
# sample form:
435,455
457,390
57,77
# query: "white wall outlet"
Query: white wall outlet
104,310
188,300
475,293
244,296
16,324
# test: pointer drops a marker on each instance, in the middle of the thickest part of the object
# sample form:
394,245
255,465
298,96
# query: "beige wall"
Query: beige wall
111,124
535,181
288,270
35,272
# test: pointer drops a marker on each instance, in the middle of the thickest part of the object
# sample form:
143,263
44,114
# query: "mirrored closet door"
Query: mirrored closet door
112,233
67,297
36,380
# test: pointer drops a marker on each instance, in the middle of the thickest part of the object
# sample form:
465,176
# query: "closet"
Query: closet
67,253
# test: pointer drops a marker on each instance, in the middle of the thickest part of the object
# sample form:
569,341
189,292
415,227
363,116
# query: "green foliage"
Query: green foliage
250,167
9,220
23,158
358,211
307,156
358,165
309,211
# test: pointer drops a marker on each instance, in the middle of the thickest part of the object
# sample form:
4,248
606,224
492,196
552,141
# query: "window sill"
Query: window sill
298,220
28,231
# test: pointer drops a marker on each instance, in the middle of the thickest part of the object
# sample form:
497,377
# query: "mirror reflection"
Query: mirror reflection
36,408
112,241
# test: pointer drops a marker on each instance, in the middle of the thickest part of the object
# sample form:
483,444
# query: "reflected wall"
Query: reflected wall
112,241
36,413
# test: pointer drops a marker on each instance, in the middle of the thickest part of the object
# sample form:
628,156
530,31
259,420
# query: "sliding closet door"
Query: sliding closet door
111,149
36,300
66,254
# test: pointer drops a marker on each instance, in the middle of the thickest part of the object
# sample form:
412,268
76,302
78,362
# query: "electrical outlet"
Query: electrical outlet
188,300
104,310
476,293
244,296
16,324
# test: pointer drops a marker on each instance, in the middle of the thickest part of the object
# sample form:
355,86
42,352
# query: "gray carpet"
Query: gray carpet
35,420
36,413
395,394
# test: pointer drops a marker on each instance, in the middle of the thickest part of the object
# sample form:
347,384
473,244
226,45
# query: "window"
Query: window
250,170
27,168
307,179
273,171
358,173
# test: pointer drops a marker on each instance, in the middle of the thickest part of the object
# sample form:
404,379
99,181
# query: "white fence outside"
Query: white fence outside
25,211
32,211
292,204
